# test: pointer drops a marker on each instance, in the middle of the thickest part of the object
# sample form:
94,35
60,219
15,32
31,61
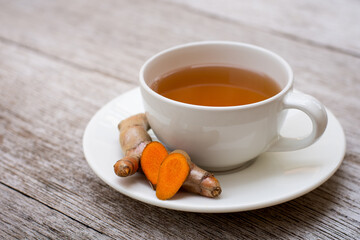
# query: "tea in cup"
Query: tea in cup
224,103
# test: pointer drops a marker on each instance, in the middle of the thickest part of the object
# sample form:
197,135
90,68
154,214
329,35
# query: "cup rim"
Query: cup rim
284,90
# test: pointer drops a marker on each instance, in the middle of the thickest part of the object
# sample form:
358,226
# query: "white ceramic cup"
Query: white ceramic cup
224,138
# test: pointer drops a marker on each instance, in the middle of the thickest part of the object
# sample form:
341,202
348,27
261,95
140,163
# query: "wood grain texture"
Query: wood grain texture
22,216
331,26
61,61
318,71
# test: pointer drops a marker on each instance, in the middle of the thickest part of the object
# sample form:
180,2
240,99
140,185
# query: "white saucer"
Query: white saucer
273,178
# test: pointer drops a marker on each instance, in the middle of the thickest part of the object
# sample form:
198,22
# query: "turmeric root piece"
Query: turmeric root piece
173,172
152,157
200,181
133,139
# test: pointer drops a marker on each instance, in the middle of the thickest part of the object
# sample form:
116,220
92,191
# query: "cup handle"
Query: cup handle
317,113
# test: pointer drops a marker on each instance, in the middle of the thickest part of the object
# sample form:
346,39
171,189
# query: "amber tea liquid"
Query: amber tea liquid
216,86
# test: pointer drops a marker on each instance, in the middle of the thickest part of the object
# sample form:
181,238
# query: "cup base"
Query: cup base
232,169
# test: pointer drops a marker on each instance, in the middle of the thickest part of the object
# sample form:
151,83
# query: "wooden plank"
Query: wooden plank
51,87
22,217
330,24
52,169
45,106
318,71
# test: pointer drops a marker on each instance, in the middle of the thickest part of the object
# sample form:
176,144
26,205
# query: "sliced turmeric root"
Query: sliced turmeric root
152,157
134,138
173,172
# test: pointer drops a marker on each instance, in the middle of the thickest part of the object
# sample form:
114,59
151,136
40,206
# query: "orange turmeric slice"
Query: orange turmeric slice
172,174
152,157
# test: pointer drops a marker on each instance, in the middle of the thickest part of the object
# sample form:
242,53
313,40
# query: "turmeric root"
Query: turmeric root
200,181
173,171
133,139
152,157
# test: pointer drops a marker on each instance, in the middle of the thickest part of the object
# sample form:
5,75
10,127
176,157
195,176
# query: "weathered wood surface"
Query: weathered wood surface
62,60
329,25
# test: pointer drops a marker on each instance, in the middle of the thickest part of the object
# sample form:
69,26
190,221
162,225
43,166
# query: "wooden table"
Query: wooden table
60,61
